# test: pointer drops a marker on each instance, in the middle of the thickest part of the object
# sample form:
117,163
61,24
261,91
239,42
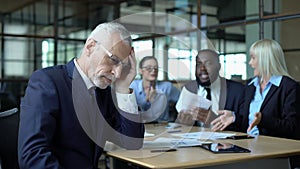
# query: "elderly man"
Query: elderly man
70,111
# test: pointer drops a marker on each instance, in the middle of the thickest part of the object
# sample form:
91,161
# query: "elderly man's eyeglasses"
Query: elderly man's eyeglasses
115,60
150,69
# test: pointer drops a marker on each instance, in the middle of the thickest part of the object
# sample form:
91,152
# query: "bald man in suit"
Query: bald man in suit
223,93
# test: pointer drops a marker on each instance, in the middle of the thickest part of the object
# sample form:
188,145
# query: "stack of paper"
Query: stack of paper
204,135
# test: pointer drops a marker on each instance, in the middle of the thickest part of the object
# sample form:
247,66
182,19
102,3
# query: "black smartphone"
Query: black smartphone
239,137
224,148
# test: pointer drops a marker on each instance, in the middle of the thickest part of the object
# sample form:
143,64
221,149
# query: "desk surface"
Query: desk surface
262,147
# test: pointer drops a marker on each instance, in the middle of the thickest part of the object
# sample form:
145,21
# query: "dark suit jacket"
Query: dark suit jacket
53,135
231,96
280,110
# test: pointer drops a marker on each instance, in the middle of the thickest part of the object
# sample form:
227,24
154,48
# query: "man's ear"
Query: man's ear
90,46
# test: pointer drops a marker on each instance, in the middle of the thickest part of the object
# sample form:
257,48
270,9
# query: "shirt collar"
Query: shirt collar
274,80
214,85
89,84
254,81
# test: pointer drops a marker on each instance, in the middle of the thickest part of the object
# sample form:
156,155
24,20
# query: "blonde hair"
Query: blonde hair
270,58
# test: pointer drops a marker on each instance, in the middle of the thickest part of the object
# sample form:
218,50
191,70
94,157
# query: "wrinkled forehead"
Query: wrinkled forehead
114,44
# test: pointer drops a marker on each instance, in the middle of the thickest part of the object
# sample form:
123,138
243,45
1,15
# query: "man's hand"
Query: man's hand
127,75
256,121
225,119
202,114
189,116
185,117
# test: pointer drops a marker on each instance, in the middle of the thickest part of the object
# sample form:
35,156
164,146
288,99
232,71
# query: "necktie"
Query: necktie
208,96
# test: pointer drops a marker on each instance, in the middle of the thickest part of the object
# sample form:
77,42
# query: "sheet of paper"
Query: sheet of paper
147,134
172,142
204,135
188,100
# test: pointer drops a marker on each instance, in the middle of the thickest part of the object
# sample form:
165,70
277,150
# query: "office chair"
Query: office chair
9,126
295,162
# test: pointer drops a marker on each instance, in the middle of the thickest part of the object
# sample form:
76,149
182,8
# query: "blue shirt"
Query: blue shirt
258,99
170,91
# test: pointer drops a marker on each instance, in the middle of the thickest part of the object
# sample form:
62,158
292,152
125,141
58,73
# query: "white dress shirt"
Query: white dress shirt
215,89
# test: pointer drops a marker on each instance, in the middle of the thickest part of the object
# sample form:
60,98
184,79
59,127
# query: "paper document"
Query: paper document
204,135
188,100
171,142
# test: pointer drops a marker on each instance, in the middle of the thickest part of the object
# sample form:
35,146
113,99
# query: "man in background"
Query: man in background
223,93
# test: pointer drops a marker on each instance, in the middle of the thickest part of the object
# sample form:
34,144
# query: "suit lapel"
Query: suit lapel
97,155
84,106
223,92
249,94
269,96
70,68
192,86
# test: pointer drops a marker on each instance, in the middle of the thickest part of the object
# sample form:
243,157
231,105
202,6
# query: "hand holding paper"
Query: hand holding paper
189,100
192,107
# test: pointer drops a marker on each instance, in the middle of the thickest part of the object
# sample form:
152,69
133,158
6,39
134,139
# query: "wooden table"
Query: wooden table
266,152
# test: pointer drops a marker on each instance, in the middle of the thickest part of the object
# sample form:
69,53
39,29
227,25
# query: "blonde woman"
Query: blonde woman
272,104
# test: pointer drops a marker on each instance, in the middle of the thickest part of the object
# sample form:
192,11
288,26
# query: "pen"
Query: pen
163,150
176,127
174,131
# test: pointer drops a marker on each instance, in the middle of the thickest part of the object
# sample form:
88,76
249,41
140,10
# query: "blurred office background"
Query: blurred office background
41,33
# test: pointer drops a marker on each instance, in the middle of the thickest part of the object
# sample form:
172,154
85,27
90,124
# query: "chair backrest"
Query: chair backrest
9,127
8,112
172,112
